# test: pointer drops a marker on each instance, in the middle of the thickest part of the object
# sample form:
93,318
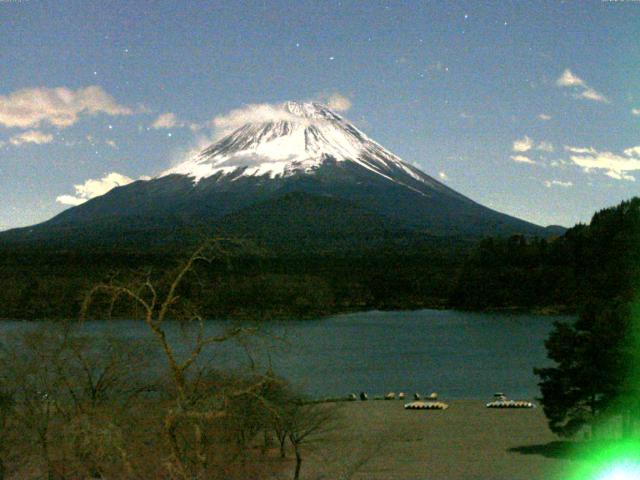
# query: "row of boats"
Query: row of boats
393,396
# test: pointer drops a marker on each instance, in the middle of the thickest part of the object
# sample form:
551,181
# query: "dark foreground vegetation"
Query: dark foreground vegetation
74,406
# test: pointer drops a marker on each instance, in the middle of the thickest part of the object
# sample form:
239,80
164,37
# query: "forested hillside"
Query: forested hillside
557,274
587,263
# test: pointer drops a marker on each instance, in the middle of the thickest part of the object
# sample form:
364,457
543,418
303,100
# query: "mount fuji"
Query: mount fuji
301,172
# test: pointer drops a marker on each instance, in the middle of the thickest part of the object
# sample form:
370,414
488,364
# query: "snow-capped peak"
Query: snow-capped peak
310,110
298,139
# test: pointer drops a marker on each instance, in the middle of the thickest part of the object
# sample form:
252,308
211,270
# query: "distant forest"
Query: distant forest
556,274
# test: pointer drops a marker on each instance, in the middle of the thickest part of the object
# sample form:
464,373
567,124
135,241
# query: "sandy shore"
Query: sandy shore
381,440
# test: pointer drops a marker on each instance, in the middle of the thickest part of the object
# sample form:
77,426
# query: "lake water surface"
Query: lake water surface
457,354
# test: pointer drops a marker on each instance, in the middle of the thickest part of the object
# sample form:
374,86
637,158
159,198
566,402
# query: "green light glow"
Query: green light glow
618,460
621,471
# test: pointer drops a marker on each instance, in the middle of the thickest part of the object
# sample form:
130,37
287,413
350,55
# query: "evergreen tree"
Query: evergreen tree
595,373
591,367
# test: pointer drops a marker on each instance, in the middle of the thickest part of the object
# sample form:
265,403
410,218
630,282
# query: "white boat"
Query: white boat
500,401
418,405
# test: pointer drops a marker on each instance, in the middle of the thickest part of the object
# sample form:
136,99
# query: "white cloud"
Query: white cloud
94,188
633,151
170,120
522,159
523,145
70,200
166,120
267,112
60,107
545,147
614,165
591,94
443,176
620,175
31,136
557,183
336,102
526,144
589,150
252,113
635,111
568,79
544,117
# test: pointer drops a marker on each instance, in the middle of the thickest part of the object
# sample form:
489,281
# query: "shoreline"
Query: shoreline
543,311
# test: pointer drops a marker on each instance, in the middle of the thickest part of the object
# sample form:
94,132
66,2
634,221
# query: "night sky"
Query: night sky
528,107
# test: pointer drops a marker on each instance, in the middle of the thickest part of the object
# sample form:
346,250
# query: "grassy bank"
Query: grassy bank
381,440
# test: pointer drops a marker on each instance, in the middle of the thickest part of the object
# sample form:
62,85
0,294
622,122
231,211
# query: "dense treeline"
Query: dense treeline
45,284
556,274
520,273
587,263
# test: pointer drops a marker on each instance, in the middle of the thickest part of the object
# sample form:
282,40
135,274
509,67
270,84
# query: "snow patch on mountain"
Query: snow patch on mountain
297,138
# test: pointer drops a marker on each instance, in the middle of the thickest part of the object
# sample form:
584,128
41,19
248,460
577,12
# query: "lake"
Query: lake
460,355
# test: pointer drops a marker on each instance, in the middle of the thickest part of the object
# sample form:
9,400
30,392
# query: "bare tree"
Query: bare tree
84,407
65,388
192,410
306,424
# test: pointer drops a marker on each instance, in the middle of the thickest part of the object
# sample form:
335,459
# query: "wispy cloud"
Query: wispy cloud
252,113
544,117
170,120
591,94
584,91
568,79
335,101
31,136
545,147
613,165
522,159
633,151
269,112
557,183
526,144
523,145
60,107
166,120
94,188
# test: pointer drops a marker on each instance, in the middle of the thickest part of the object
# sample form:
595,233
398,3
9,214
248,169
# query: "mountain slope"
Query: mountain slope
301,147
